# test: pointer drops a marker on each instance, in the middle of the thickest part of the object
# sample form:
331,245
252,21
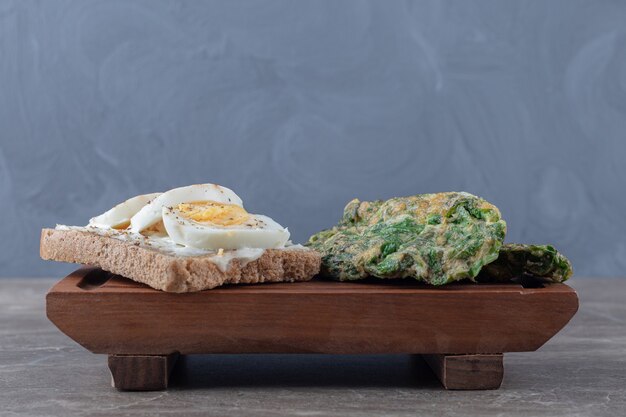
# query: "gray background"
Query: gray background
301,106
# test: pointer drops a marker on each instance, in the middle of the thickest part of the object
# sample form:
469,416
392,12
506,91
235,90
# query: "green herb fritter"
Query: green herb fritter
435,238
516,260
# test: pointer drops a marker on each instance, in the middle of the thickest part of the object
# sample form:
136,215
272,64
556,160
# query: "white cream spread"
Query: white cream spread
243,255
161,242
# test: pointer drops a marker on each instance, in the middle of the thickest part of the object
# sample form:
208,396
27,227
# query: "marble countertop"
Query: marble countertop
580,372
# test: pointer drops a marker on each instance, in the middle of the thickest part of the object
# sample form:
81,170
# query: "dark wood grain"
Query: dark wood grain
122,317
141,372
467,372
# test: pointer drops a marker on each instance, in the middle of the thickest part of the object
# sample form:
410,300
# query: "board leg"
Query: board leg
467,372
141,372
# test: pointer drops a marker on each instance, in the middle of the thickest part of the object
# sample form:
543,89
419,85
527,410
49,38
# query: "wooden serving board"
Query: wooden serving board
461,329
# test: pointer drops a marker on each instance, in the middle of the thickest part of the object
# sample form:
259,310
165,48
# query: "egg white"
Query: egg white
151,213
257,232
121,214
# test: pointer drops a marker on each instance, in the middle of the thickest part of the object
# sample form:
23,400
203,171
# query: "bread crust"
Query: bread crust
174,273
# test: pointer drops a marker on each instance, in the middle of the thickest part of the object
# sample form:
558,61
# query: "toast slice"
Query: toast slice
165,271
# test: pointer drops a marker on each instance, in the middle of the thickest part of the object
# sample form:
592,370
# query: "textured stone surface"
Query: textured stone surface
581,372
301,107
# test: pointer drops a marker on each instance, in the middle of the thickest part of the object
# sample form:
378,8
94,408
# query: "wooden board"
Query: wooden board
118,316
467,372
113,315
141,372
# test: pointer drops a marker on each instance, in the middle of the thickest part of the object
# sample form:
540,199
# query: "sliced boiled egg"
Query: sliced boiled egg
119,216
151,213
213,225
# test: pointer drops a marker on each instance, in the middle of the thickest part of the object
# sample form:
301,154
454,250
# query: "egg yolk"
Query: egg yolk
211,212
122,226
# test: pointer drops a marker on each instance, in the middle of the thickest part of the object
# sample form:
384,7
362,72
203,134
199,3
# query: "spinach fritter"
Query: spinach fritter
516,260
435,238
